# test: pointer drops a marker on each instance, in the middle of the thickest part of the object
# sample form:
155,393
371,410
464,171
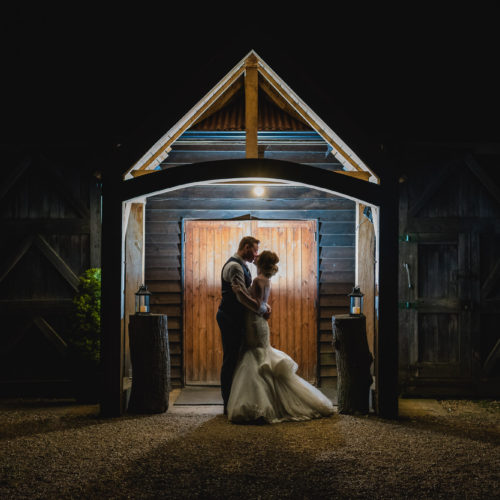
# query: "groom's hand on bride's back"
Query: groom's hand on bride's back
267,314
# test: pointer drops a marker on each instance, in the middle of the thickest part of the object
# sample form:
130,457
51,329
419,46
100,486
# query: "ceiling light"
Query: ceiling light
258,190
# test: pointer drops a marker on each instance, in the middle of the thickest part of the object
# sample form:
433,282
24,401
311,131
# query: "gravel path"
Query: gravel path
58,450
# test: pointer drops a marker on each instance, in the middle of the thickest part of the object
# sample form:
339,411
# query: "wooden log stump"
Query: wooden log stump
353,363
150,357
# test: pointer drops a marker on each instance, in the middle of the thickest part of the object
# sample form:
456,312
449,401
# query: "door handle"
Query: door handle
407,267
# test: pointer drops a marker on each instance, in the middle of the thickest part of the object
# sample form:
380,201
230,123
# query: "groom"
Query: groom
231,311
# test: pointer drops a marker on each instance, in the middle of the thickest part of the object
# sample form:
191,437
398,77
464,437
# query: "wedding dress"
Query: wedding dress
266,386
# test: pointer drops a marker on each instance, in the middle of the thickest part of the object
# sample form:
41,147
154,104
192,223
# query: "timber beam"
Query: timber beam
251,106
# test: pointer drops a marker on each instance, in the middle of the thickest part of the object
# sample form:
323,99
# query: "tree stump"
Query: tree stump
353,363
150,357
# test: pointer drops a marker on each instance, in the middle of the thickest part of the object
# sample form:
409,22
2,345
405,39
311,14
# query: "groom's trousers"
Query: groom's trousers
231,330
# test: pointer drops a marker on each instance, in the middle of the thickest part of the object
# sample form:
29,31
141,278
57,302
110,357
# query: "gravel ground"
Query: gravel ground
54,449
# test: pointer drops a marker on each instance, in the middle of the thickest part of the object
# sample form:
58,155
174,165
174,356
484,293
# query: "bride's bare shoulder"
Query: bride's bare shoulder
262,281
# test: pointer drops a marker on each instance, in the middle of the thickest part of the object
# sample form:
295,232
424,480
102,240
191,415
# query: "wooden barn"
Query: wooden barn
251,158
173,207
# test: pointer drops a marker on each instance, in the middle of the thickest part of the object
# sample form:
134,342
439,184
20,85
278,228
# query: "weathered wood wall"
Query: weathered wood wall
50,217
450,296
336,220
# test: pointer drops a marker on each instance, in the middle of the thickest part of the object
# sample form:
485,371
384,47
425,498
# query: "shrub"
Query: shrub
86,337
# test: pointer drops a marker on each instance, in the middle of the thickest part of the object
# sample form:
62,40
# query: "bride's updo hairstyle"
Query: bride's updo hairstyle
266,262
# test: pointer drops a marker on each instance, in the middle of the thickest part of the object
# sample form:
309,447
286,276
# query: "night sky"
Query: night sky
90,77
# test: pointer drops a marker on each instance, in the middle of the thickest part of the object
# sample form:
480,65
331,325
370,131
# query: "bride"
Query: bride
265,386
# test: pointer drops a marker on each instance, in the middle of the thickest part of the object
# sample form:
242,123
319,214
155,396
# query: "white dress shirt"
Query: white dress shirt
233,273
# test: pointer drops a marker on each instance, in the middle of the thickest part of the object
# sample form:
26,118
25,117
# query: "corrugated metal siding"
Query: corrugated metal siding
232,117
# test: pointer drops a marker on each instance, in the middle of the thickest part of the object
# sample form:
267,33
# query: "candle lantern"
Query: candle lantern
142,300
356,298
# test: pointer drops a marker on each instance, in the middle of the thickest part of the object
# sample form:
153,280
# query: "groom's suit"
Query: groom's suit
230,318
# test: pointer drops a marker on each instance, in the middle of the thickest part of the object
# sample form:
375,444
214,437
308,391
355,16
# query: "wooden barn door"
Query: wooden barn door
439,306
293,324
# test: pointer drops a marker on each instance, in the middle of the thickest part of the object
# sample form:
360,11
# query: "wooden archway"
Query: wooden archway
383,195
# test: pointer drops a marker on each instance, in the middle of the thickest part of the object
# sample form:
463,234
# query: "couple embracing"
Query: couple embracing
259,384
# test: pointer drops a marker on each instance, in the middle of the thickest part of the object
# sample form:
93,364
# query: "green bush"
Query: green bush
86,338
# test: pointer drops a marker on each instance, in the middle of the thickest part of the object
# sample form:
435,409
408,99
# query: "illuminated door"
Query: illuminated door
293,323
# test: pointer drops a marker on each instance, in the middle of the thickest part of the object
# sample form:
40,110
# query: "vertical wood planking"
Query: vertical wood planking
293,323
188,296
306,306
276,291
202,300
283,324
290,347
195,361
215,287
300,335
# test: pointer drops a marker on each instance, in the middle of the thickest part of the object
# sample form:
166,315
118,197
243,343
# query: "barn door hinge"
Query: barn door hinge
407,305
407,238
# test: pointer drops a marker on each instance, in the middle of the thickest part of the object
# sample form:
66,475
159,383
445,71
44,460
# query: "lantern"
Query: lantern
142,300
356,306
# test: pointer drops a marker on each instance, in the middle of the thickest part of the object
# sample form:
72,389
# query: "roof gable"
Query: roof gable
225,91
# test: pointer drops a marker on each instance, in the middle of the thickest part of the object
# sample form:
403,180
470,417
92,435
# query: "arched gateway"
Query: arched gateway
120,194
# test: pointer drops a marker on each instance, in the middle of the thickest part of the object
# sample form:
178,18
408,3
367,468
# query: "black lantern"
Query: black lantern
142,300
356,307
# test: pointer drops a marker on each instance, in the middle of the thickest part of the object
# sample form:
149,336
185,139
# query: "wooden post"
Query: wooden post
95,223
134,277
386,345
251,107
365,256
111,301
150,355
353,363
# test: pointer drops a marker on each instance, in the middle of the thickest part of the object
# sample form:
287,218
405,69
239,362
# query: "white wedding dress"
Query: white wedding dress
265,386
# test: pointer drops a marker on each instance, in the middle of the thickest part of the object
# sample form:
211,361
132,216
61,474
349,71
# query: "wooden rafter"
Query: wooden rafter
138,173
364,175
312,124
276,99
191,120
223,100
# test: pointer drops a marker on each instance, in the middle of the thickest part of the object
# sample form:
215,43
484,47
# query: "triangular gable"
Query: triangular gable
223,91
231,117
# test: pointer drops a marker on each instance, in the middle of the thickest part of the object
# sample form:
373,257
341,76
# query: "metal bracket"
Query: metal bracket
407,267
